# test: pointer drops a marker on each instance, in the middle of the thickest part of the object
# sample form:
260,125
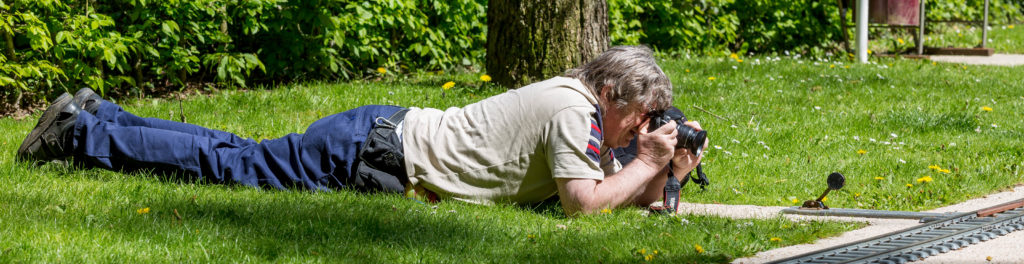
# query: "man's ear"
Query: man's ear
605,92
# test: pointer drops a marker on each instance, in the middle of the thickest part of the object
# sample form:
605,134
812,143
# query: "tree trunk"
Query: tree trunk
531,40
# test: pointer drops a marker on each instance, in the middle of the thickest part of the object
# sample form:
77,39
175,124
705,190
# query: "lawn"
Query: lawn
778,126
907,134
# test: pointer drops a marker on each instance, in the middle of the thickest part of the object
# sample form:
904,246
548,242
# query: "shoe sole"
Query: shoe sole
34,139
82,95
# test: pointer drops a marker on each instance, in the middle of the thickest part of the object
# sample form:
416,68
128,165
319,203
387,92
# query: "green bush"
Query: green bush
760,26
717,25
138,46
135,46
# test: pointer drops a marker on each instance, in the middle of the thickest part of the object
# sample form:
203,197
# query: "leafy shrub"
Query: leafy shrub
135,46
806,26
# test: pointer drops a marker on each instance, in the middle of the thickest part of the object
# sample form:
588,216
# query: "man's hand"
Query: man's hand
685,161
655,148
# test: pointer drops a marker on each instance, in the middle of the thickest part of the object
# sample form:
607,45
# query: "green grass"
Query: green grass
782,126
60,214
812,117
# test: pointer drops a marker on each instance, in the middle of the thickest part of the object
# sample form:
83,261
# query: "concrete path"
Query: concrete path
995,59
1004,249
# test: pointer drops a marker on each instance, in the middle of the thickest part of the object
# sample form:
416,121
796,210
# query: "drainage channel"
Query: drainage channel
925,240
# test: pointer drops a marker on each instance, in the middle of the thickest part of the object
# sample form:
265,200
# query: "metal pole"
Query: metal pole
984,27
920,28
862,31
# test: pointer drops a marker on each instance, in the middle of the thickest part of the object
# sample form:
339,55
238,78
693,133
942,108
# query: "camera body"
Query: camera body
687,137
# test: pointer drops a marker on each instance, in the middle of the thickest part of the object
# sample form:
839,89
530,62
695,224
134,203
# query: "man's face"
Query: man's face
622,125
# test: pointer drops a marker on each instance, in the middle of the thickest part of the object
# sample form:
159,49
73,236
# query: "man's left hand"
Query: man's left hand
684,161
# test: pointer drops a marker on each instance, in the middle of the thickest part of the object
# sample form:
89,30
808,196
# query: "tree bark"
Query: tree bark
531,40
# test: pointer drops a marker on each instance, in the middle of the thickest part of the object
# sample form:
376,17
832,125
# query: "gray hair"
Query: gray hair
632,74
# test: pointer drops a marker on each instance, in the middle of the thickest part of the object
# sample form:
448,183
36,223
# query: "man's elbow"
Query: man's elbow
578,207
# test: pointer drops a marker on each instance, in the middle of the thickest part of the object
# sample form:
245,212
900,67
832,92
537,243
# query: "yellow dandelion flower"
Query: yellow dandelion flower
933,63
856,195
655,252
900,40
606,211
795,200
869,52
986,109
831,66
879,178
775,239
382,70
648,257
944,171
965,67
934,167
143,210
485,78
734,56
924,179
687,70
643,251
1009,26
698,248
448,85
739,60
846,67
712,78
910,185
531,236
824,199
862,152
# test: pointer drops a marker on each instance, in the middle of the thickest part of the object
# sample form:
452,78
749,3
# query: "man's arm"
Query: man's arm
625,186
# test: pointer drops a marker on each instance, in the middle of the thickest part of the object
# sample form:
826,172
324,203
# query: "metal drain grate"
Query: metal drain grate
924,240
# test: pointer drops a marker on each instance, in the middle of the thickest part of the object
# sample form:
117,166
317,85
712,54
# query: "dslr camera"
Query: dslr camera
687,137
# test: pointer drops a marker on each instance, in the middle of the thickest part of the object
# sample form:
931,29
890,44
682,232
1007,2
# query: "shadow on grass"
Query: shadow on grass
239,222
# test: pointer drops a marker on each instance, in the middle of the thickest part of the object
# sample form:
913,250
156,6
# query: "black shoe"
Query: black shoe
52,137
88,100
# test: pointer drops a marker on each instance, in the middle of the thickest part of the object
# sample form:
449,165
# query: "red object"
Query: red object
894,12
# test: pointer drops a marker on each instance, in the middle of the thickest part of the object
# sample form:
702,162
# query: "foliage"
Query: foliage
760,26
139,46
134,46
1000,11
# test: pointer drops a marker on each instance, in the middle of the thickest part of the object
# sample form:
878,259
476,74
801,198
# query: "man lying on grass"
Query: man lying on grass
522,146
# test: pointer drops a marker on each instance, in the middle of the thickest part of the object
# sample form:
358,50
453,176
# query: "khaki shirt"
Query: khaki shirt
509,147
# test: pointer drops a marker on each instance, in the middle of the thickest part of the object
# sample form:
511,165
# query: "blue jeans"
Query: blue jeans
322,158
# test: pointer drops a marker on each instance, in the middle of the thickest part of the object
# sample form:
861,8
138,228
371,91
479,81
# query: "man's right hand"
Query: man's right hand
656,148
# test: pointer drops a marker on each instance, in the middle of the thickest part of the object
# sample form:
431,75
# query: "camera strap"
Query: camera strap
671,193
673,186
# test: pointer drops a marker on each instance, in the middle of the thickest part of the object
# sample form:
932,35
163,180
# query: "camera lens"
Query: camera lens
690,139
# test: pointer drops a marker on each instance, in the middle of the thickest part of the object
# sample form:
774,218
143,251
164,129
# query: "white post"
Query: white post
920,27
984,27
862,31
